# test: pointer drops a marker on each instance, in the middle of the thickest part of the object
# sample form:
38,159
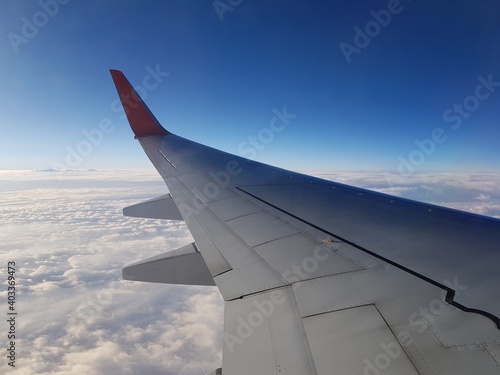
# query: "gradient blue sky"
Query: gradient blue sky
226,76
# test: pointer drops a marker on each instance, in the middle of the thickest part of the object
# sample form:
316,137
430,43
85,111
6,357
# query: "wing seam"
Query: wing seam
450,293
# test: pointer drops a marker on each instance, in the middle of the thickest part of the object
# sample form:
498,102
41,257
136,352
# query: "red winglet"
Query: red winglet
140,118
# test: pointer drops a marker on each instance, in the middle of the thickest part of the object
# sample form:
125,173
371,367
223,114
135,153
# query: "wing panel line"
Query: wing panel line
450,293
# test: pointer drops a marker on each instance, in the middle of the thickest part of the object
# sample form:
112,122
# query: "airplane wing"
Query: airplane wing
320,277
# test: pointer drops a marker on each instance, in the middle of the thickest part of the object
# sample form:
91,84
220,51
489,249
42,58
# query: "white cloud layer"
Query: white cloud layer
67,235
69,239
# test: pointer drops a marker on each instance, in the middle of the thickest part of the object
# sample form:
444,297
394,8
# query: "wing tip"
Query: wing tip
140,118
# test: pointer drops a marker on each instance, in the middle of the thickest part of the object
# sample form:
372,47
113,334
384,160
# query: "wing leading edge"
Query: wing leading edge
320,277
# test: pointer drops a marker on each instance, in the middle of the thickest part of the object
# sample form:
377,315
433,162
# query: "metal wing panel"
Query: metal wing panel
396,293
205,188
384,280
404,231
454,327
298,257
222,249
252,270
422,323
233,207
264,335
260,227
243,235
235,250
231,286
431,357
356,341
494,350
214,259
435,242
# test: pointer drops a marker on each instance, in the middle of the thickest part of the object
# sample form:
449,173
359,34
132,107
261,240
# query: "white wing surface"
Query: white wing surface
319,277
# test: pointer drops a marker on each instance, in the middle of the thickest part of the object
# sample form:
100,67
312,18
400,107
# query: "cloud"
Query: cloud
483,197
70,241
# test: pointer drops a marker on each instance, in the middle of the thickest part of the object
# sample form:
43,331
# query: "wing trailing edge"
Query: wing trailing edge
140,118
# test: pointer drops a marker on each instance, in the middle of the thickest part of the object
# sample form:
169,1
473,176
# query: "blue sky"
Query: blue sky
231,68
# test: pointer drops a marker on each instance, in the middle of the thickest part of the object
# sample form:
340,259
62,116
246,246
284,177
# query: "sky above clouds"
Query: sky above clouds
373,85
